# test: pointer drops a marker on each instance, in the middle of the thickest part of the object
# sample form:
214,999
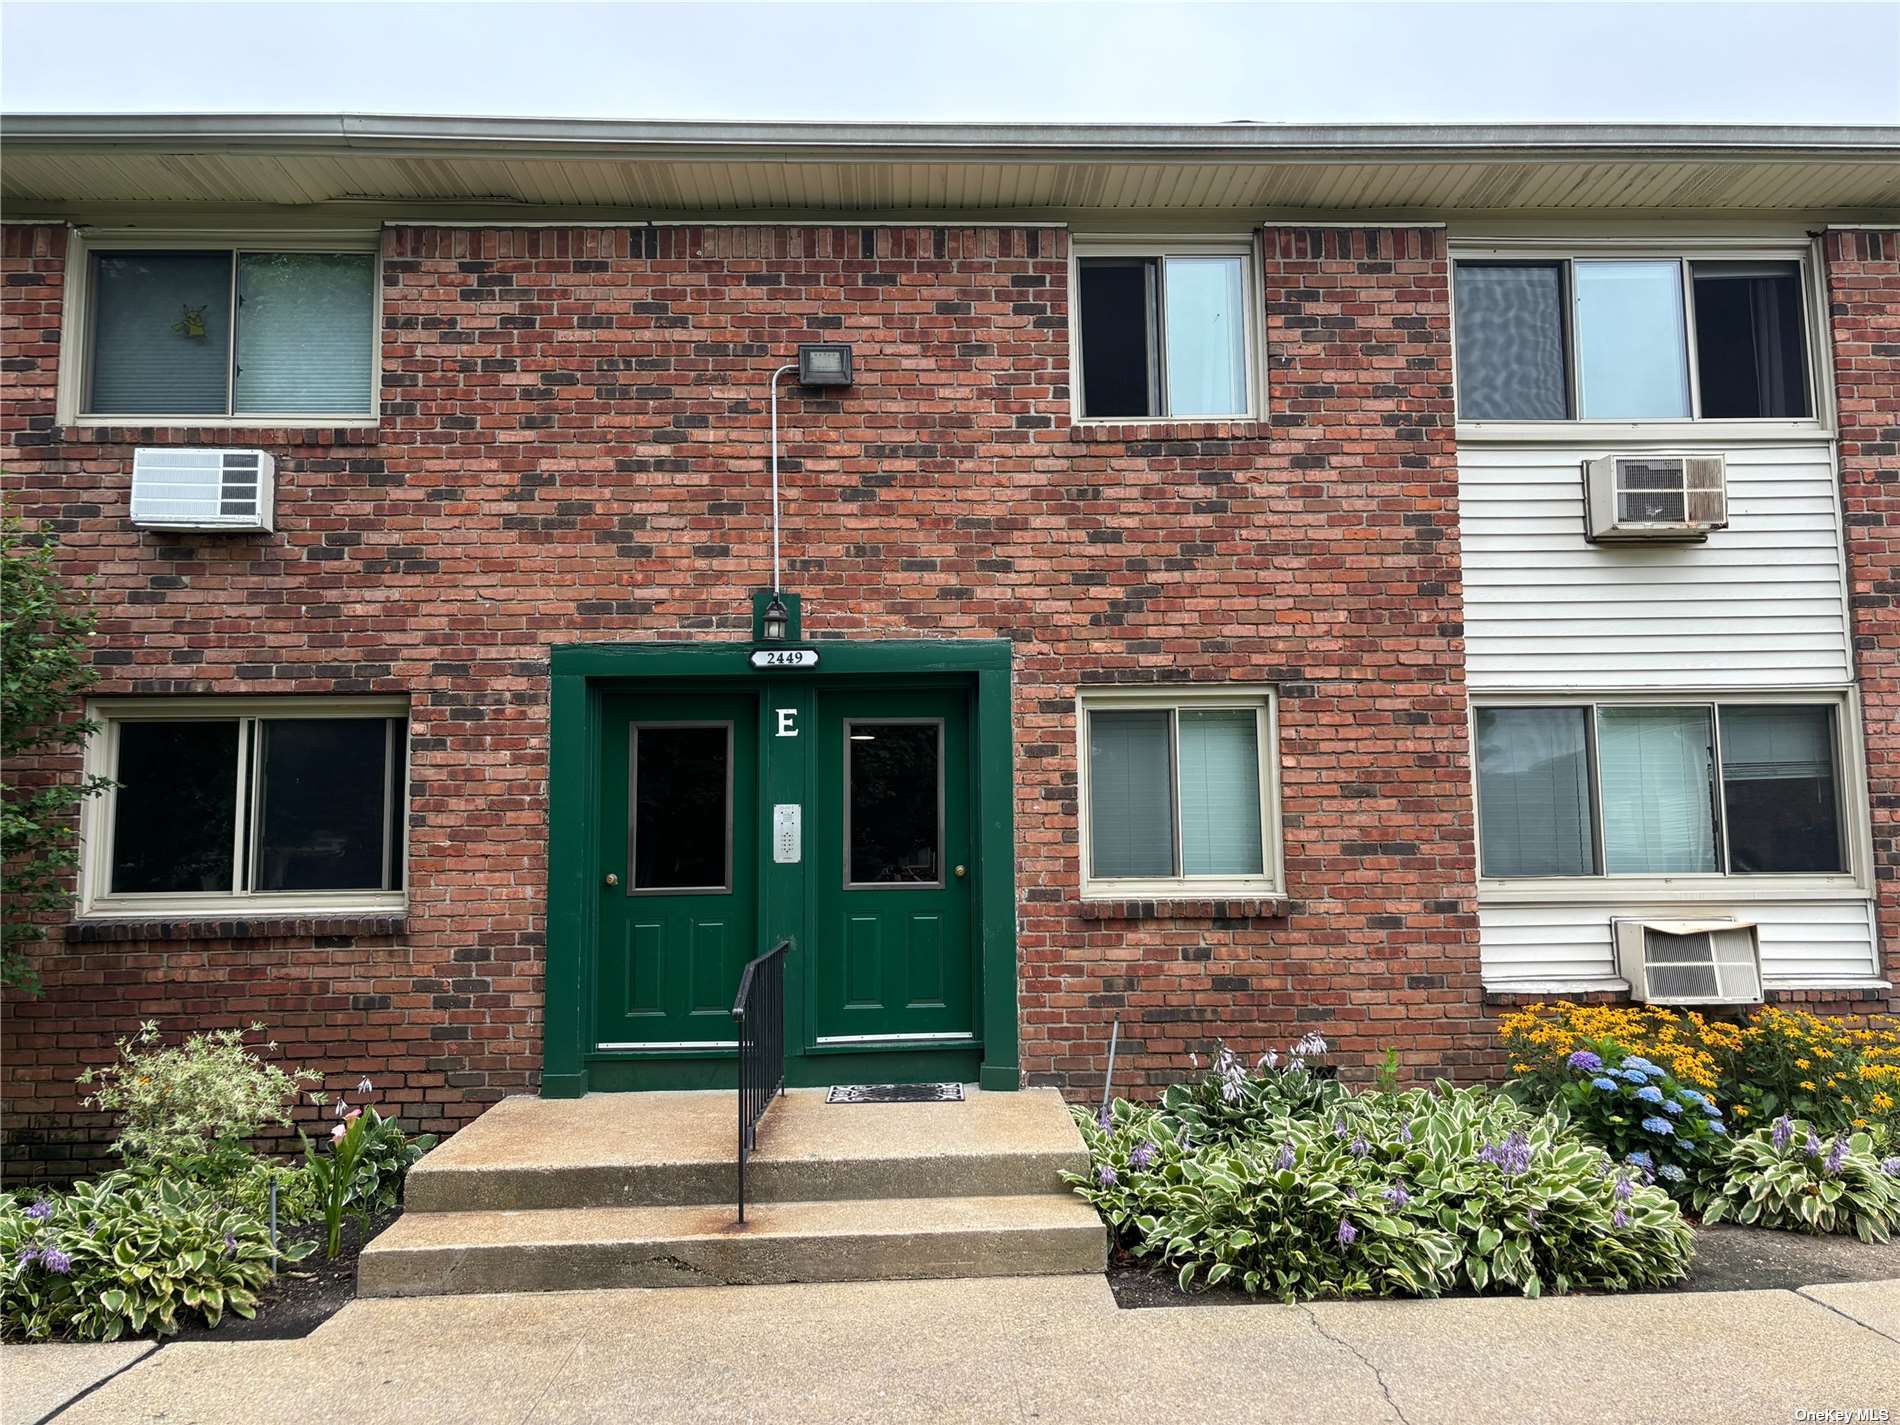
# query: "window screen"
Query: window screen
1119,357
1534,792
1131,794
324,794
1510,334
305,343
161,333
1220,792
1779,788
174,818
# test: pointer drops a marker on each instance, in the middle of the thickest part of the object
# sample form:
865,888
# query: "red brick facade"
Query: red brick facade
571,449
1863,274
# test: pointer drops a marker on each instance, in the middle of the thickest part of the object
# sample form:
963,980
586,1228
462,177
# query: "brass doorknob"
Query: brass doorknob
959,872
612,879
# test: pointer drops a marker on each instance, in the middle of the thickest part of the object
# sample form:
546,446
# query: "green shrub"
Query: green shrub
1788,1176
1227,1104
122,1254
190,1109
1410,1193
1637,1110
296,1192
369,1157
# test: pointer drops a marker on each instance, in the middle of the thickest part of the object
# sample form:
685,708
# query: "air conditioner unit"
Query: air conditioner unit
1689,961
210,490
1631,497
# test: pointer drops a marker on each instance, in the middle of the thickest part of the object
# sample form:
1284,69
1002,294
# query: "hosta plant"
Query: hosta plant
368,1158
1789,1176
1228,1102
124,1255
1383,1194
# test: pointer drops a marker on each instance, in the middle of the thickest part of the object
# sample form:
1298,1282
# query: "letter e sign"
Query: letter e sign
787,722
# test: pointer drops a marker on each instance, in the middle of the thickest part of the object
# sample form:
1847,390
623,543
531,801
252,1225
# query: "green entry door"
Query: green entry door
890,853
678,883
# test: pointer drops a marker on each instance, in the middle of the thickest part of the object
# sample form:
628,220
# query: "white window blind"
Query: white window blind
1534,792
1207,343
1632,350
1657,768
305,339
1220,792
161,333
1131,794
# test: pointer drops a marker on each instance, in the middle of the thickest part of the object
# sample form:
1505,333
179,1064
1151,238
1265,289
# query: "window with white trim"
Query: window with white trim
1164,332
1730,787
228,331
1179,792
221,805
1632,338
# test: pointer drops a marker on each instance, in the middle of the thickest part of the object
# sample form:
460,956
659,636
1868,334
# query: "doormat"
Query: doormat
895,1093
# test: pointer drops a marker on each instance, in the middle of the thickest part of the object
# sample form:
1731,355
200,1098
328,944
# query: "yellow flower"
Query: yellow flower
1740,1110
1801,1063
1808,1084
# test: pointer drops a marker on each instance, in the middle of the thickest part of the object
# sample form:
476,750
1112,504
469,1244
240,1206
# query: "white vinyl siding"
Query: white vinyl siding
1803,942
1759,605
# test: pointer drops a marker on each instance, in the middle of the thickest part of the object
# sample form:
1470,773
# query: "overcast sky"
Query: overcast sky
1765,63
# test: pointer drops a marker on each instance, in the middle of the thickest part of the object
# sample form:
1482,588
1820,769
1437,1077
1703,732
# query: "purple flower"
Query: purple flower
55,1261
1625,1189
1285,1160
1360,1148
1143,1156
1310,1046
1103,1119
1585,1061
1397,1196
1347,1233
1105,1175
1405,1133
1510,1157
26,1256
1619,1218
1661,1127
1890,1166
1784,1130
40,1210
1836,1157
1339,1127
1813,1146
230,1244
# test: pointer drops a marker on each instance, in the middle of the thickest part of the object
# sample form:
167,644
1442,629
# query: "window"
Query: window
229,333
1164,335
1640,789
1631,339
221,805
682,807
1179,793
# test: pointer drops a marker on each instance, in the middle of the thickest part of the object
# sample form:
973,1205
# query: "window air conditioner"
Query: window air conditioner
1689,961
208,490
1630,497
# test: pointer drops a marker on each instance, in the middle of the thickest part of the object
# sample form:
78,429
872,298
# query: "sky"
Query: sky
911,59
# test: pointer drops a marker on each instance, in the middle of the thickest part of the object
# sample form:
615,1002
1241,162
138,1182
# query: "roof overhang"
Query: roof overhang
60,162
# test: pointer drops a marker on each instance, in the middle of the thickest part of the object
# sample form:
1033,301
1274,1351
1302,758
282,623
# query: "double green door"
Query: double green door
699,868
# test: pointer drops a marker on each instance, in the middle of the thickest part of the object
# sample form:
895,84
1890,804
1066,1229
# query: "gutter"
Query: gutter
611,139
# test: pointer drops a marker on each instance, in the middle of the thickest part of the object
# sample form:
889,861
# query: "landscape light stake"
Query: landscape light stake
1108,1079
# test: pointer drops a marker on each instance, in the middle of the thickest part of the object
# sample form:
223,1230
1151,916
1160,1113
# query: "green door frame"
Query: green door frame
581,673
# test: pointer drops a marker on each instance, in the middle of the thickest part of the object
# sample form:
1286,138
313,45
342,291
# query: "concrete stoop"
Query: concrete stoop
637,1190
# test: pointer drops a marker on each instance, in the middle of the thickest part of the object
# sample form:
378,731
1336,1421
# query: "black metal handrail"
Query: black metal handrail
759,1011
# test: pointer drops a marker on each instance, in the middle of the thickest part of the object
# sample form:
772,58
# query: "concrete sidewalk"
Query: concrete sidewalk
1031,1349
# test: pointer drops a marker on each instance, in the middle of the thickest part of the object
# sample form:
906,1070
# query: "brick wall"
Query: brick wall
571,448
1863,279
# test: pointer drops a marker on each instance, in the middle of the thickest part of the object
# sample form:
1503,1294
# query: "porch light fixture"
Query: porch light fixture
820,363
776,620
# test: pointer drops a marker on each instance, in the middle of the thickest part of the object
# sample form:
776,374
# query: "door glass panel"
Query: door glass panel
682,807
893,800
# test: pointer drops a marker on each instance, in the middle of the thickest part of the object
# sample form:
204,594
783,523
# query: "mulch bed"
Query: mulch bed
1727,1258
306,1293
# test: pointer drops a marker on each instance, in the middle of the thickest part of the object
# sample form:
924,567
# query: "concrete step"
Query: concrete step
456,1253
678,1149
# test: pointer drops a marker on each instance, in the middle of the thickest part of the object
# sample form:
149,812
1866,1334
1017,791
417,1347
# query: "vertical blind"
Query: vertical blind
161,333
1534,792
162,342
1131,794
1220,792
304,335
1657,770
1206,327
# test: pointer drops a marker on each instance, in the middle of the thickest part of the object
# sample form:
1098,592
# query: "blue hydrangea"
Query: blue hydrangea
1711,1110
1607,1085
1584,1061
1649,1093
1661,1127
1695,1096
1641,1159
1672,1172
1672,1108
1716,1126
1640,1064
1632,1076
